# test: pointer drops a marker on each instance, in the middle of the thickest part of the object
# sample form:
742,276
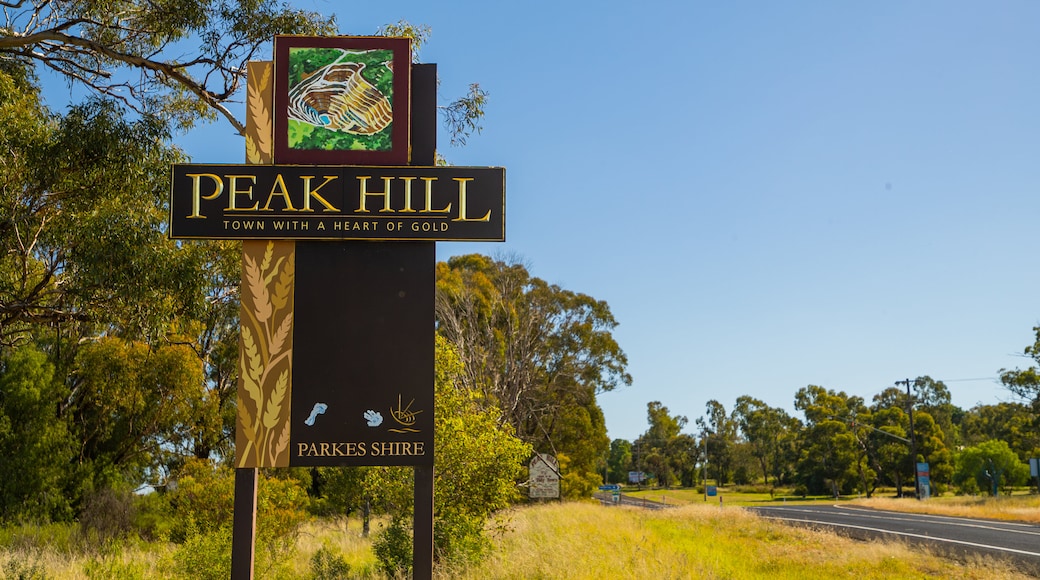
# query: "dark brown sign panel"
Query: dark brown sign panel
330,202
362,385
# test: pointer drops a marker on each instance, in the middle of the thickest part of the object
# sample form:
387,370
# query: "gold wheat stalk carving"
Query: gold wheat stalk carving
266,357
258,142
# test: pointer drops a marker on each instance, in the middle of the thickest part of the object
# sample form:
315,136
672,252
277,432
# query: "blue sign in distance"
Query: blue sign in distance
610,487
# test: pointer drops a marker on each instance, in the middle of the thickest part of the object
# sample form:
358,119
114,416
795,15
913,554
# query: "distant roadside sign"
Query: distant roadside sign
544,472
610,487
712,490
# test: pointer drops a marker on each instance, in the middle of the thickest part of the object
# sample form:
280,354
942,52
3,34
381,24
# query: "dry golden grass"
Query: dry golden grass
590,541
344,538
1022,508
128,563
575,541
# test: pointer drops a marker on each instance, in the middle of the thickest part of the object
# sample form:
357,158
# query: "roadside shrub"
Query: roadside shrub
19,570
281,507
107,515
153,517
393,549
198,511
328,565
112,565
458,538
202,501
204,555
754,488
57,537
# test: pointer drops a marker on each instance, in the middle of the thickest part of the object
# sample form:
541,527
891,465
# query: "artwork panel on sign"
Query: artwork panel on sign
342,99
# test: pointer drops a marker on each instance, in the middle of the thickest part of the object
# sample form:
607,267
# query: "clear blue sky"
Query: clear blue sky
768,194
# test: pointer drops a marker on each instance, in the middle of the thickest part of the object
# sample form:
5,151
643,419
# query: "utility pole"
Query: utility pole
913,440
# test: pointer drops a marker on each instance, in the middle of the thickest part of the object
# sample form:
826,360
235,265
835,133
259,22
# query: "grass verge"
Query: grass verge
695,541
571,540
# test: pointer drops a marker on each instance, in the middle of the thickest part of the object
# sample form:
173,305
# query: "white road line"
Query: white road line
924,518
952,519
930,538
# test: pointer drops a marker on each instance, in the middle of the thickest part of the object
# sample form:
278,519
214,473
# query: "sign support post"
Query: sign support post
424,152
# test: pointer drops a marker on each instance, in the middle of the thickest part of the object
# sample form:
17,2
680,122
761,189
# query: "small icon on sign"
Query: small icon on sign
319,409
405,416
374,418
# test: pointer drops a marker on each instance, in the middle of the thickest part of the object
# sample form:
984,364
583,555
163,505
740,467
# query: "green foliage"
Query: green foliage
478,462
464,115
62,538
720,433
102,42
204,555
581,435
134,401
197,514
663,451
35,441
1025,383
107,516
90,195
329,565
15,569
203,501
619,462
1007,421
125,317
931,449
537,352
338,490
393,548
770,433
419,34
990,465
112,565
831,458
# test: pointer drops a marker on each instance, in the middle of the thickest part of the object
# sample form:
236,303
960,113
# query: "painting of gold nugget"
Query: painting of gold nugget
342,100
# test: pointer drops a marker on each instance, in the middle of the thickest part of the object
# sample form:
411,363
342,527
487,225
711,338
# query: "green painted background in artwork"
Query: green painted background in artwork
309,137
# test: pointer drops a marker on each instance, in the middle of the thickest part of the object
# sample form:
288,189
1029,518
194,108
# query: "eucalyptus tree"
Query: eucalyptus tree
620,461
770,433
1007,421
720,437
831,458
538,352
657,449
181,59
889,443
1025,384
991,466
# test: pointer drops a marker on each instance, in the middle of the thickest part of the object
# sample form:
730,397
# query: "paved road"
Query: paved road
1015,542
607,499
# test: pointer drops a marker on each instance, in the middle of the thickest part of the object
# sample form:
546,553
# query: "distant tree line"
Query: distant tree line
846,445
